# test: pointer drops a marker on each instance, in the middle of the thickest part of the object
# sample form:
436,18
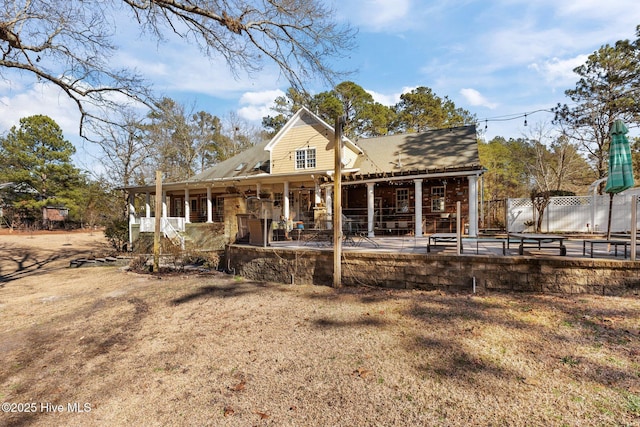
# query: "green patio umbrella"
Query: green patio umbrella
620,165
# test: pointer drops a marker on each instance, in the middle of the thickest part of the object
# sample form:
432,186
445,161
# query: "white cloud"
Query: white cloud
559,72
262,97
254,113
376,15
389,99
183,68
40,98
384,99
258,104
624,12
476,99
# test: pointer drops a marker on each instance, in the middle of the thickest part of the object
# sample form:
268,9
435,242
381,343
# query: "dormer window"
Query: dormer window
239,167
306,158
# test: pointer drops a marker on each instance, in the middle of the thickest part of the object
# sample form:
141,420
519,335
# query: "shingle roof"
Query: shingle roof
242,164
436,150
455,148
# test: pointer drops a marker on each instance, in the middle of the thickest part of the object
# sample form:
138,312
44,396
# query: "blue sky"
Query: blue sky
495,58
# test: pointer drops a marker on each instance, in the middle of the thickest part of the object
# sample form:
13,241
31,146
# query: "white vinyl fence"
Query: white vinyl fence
583,214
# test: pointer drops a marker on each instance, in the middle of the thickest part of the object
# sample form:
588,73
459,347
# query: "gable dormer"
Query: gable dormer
305,144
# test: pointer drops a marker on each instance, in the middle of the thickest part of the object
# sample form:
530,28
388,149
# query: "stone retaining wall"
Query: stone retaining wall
439,271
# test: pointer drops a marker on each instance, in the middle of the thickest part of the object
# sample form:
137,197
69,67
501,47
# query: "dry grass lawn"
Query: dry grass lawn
221,351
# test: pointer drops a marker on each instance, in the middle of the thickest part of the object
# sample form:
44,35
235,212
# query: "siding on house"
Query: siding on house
305,130
283,154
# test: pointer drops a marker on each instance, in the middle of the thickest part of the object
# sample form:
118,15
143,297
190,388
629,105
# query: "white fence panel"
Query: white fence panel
581,214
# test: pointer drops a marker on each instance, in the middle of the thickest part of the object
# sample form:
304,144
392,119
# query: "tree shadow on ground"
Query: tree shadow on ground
454,340
540,331
325,323
16,264
220,291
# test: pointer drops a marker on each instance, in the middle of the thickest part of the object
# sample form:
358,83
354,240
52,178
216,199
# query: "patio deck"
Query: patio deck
404,262
471,246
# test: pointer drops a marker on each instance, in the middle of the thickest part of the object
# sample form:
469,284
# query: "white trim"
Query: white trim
274,141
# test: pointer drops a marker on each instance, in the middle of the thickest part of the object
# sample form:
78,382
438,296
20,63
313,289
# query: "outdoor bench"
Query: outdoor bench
537,240
444,238
614,243
479,240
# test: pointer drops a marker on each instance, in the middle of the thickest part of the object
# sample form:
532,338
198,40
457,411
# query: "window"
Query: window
402,200
306,158
437,199
220,208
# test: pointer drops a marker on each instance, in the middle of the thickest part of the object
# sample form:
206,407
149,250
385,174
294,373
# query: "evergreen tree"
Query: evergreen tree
607,90
421,110
37,159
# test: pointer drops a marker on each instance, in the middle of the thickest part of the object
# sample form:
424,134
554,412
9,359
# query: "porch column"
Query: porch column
370,209
473,206
285,201
258,189
164,204
132,209
317,192
132,218
328,201
418,207
209,205
187,206
147,205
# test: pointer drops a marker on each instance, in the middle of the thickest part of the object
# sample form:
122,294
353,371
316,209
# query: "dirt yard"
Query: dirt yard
101,346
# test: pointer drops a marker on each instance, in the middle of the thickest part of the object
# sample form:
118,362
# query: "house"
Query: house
398,184
53,216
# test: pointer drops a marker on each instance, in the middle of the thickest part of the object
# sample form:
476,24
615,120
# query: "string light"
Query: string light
516,116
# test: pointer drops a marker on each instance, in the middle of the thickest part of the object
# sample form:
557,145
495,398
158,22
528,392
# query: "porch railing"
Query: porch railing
171,233
169,226
148,225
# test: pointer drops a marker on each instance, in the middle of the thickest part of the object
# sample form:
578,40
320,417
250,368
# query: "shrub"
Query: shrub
139,264
117,233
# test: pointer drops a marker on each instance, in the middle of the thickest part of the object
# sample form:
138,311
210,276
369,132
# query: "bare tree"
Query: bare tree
169,129
69,43
552,165
125,149
240,135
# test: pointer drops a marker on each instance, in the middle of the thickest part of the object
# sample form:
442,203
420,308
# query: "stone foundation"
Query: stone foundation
439,271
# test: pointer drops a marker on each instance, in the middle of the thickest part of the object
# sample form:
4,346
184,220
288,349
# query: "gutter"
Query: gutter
410,177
